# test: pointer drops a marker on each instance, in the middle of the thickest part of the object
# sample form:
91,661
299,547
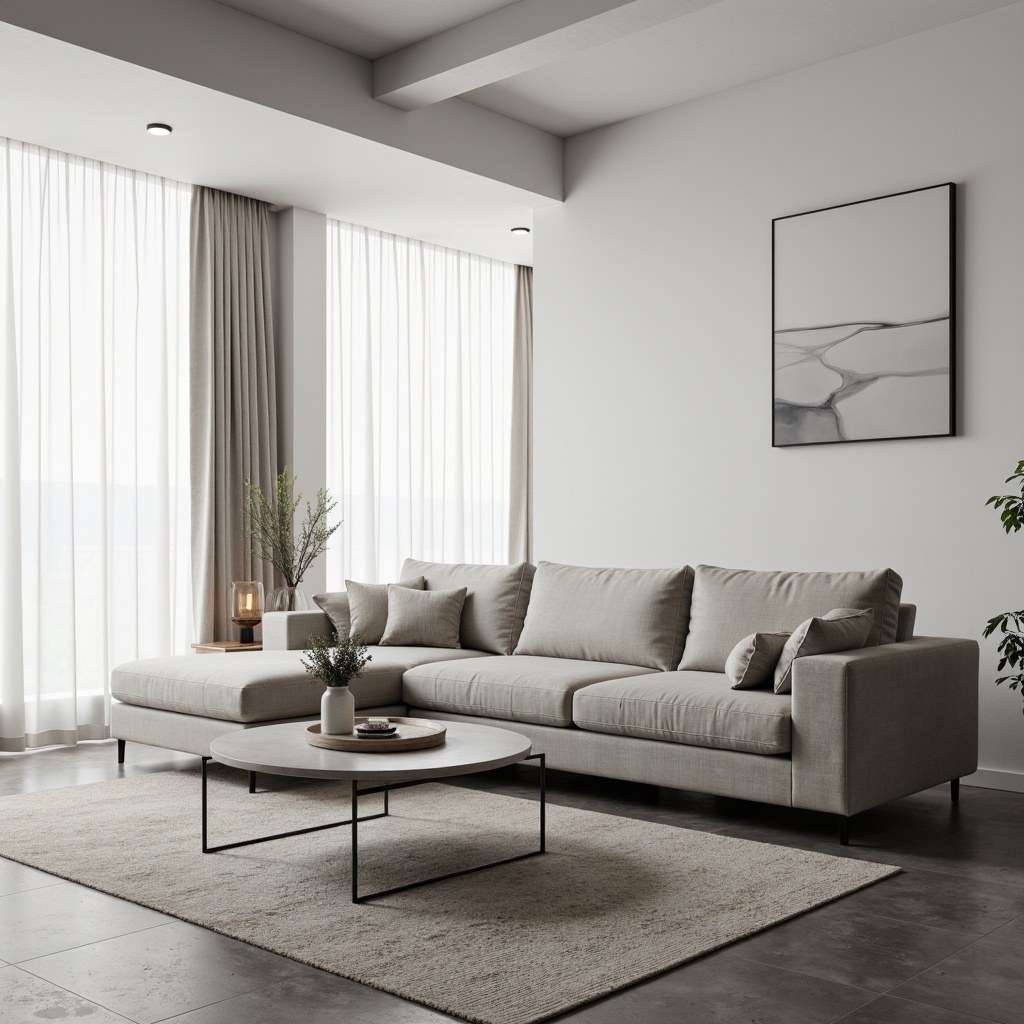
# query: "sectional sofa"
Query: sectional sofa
621,673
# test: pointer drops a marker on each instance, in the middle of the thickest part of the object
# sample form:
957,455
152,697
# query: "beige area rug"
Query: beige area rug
614,900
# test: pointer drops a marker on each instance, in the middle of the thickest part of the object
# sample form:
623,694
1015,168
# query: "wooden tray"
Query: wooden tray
413,734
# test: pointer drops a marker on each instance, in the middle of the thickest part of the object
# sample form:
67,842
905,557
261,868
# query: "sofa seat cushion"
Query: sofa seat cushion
518,689
697,708
262,685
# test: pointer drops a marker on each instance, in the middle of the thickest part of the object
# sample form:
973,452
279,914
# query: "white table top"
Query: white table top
283,750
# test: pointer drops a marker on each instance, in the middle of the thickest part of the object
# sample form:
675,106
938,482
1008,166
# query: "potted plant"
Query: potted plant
336,662
1011,644
273,537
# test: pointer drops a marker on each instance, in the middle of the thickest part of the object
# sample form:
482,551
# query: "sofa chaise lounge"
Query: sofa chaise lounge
621,673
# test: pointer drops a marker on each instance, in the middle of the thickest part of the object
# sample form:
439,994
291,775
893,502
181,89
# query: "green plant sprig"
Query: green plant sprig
271,527
1009,624
1012,505
336,661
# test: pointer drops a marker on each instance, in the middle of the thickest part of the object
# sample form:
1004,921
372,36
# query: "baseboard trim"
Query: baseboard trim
989,778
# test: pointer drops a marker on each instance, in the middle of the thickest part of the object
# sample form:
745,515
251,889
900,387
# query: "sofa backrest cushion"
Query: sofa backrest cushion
729,604
907,620
625,616
496,599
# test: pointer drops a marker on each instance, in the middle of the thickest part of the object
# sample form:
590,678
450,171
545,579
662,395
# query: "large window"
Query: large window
419,381
94,521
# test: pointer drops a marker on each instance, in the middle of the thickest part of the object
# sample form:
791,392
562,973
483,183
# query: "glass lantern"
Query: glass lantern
247,607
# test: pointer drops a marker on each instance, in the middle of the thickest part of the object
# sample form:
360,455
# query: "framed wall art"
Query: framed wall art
863,316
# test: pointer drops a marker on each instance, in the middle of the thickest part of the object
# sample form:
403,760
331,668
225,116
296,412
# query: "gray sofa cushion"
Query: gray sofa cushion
261,685
336,607
729,604
625,616
368,607
496,599
423,618
520,689
697,708
752,661
843,629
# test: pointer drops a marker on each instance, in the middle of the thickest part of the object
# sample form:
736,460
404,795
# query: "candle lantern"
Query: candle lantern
247,607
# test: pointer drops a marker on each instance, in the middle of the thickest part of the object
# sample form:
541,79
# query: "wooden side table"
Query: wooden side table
225,647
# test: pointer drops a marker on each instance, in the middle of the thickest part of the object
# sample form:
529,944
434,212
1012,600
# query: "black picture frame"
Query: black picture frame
864,320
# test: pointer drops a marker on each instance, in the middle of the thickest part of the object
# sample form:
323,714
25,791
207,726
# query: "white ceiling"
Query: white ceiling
263,103
717,47
368,28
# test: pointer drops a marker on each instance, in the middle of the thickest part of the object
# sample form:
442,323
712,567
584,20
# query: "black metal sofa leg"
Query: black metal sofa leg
252,782
120,751
954,790
844,829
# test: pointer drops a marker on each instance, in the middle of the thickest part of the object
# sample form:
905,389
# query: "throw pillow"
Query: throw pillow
423,618
752,661
842,629
368,606
335,607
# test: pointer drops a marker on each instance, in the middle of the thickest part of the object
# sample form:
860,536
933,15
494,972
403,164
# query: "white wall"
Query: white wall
653,336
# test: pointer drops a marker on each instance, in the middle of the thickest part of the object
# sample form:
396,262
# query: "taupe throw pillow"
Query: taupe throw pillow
335,606
752,661
423,618
842,629
368,606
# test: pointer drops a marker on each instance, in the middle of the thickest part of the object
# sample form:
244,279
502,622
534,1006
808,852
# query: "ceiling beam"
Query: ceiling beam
509,41
216,47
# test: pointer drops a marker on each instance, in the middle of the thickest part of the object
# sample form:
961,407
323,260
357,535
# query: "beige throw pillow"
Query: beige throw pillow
335,606
842,629
423,618
752,661
368,606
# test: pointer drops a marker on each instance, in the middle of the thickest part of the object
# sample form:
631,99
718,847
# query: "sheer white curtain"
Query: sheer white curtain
94,502
419,397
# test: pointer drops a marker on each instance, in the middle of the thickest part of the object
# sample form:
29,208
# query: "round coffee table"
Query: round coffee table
283,750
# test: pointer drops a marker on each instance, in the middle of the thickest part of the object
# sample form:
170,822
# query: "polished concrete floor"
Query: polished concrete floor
938,944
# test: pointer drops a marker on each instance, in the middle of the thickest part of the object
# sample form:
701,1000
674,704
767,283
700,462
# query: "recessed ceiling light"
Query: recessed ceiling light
159,129
520,231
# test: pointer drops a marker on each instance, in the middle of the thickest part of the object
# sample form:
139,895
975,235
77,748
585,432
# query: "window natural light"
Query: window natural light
94,505
419,397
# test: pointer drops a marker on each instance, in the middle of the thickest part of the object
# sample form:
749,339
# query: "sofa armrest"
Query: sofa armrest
290,631
883,722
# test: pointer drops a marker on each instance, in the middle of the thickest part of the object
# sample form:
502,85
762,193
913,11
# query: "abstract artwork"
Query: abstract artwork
863,320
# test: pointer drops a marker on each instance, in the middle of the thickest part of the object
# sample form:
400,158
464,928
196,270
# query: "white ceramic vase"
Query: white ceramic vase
337,711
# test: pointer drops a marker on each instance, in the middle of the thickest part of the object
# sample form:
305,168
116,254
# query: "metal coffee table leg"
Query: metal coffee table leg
279,835
354,819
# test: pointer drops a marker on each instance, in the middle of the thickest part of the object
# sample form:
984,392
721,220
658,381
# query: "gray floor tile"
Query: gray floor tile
164,971
940,900
890,1010
974,802
857,949
318,998
57,917
25,999
988,850
720,989
16,877
985,979
1015,815
962,877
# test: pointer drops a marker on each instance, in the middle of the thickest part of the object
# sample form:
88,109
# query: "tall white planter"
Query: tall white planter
337,711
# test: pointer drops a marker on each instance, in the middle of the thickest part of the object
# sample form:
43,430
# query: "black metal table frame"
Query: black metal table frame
355,821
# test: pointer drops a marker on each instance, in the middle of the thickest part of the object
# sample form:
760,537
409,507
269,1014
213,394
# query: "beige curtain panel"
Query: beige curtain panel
520,523
233,409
